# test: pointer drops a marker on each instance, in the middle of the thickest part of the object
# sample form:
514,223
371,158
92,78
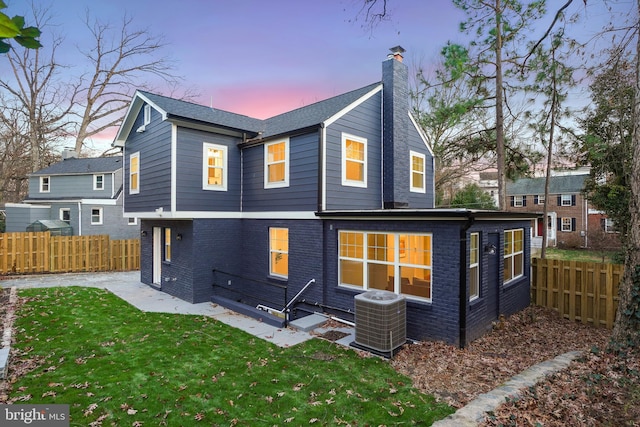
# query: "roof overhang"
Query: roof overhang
429,214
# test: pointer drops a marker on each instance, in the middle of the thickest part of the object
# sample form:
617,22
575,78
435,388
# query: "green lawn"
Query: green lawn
117,366
582,255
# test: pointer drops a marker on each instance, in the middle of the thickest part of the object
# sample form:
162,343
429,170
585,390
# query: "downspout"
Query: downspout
79,218
463,280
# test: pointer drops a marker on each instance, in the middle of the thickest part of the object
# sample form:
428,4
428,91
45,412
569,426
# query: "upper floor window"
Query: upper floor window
276,164
354,161
134,173
397,262
474,266
96,216
98,182
418,177
513,254
147,114
519,201
214,173
45,184
279,252
65,215
539,199
566,200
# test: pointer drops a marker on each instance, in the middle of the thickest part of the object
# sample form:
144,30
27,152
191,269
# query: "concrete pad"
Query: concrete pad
308,323
4,362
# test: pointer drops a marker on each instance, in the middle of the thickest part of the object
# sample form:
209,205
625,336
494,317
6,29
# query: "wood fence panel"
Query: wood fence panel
580,291
39,252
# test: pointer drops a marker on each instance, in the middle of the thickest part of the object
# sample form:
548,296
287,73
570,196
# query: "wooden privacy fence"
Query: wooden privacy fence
580,291
39,252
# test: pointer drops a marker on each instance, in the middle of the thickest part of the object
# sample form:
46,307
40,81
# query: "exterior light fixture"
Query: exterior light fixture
490,249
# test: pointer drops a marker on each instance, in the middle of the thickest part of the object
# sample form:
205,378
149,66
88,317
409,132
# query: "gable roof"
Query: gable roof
75,166
561,184
300,118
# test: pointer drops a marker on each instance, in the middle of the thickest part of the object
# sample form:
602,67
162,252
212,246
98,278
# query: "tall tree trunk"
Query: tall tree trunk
626,330
500,157
547,180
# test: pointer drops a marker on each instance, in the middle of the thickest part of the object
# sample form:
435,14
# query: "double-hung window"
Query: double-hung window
354,161
418,177
279,252
65,215
45,184
566,200
98,182
134,173
566,224
396,262
276,164
474,266
214,167
518,201
96,216
513,254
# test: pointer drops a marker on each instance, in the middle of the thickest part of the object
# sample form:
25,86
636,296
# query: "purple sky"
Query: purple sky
265,57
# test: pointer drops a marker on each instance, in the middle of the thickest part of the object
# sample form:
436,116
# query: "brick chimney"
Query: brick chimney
395,131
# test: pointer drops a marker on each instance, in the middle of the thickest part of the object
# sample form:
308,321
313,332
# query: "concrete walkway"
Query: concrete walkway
127,286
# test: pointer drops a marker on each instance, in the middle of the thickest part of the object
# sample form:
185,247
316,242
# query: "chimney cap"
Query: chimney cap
396,53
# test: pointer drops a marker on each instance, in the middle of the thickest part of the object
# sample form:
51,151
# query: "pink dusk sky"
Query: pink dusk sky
264,57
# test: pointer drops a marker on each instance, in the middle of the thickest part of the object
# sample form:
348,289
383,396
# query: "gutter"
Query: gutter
463,281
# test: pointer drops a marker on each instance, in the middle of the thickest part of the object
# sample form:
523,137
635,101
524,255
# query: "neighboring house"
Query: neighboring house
86,194
312,207
571,222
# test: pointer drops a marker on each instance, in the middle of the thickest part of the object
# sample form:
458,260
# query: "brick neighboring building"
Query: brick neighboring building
571,221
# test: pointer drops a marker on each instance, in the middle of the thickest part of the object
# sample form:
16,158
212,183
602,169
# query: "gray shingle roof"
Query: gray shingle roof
191,111
563,184
307,116
75,166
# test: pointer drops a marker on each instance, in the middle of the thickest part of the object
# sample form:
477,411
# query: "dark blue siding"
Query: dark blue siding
189,193
154,145
363,121
302,192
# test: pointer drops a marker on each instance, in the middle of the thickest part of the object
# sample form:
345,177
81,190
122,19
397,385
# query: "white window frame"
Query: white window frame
565,200
45,184
205,167
399,260
147,115
345,180
422,173
100,216
132,221
135,155
474,266
61,213
609,226
98,181
565,224
541,199
285,161
278,252
518,201
511,255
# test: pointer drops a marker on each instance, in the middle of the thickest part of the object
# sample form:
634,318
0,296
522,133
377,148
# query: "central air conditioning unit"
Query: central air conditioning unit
380,320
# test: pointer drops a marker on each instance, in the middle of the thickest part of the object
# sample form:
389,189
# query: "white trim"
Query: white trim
206,146
343,145
420,133
100,216
474,264
174,166
48,190
95,181
61,217
266,163
413,189
146,115
324,169
353,105
26,205
131,156
279,251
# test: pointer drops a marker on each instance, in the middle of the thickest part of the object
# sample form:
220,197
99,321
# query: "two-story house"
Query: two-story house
85,194
302,212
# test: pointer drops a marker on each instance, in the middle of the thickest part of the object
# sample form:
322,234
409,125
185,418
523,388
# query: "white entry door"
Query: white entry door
157,255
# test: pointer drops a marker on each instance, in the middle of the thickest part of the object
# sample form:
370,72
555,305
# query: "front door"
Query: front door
493,280
157,255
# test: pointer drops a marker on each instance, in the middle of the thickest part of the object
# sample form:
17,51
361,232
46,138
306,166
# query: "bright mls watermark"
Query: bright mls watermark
34,415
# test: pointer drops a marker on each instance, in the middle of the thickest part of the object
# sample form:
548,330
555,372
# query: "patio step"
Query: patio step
4,362
308,323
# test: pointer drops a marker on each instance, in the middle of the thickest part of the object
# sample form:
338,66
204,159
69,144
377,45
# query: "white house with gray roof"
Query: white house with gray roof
85,194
